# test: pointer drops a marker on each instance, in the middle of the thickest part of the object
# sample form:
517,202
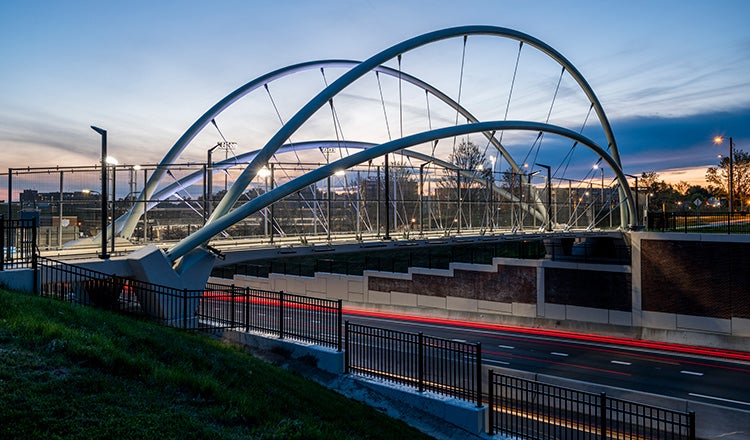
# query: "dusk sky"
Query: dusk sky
669,74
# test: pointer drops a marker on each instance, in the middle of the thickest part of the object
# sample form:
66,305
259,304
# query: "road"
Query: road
670,371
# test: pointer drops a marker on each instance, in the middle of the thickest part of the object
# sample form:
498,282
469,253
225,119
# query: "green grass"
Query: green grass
74,372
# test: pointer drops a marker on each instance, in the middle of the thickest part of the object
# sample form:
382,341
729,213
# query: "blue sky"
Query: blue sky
669,74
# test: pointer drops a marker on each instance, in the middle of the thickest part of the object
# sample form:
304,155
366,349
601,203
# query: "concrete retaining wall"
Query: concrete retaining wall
534,293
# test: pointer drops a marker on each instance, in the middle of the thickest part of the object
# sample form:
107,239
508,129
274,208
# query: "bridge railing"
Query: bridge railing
427,363
530,409
705,223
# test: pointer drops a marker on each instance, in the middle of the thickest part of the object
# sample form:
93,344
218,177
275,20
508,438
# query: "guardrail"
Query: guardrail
17,243
528,408
427,363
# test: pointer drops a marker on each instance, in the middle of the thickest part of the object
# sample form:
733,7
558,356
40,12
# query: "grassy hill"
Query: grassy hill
74,372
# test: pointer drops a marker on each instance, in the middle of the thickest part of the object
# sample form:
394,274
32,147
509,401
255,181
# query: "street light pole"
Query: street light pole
636,197
208,193
549,195
421,198
718,140
103,255
114,200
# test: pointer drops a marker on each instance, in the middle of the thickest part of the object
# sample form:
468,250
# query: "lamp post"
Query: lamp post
636,196
528,193
208,192
263,173
113,162
103,255
421,198
491,185
549,195
718,140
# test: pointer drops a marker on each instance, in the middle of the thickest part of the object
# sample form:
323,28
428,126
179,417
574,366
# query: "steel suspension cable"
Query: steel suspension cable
460,88
281,120
512,85
569,155
540,137
382,101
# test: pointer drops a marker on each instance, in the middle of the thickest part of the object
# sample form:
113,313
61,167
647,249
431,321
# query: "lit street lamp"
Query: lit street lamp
103,255
718,140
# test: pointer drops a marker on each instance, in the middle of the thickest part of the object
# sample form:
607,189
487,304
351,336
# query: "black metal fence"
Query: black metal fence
444,366
707,222
531,409
282,314
218,307
17,243
84,286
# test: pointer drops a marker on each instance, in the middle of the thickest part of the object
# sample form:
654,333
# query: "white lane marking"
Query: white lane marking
509,347
692,373
621,363
557,353
492,361
458,340
720,399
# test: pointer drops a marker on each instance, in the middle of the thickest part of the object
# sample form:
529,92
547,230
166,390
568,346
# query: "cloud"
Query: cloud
660,143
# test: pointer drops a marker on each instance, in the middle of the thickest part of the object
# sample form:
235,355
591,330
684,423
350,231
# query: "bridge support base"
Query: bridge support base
150,264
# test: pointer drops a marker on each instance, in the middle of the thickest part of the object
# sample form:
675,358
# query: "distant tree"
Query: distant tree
660,195
681,187
466,156
718,179
696,192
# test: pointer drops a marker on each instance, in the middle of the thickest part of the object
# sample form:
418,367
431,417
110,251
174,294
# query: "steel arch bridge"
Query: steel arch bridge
225,214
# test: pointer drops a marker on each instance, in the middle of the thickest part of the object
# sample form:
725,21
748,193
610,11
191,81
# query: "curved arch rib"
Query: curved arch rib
125,224
196,176
210,229
368,65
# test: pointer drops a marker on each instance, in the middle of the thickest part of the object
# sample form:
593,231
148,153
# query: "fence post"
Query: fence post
184,309
340,316
729,222
234,305
346,347
691,428
281,314
34,238
420,361
490,402
2,243
479,374
247,309
34,270
603,415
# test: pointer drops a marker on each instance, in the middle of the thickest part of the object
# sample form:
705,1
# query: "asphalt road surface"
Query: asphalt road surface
718,378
